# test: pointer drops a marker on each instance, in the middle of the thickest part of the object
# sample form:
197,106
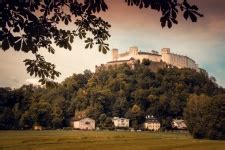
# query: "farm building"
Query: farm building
151,123
84,124
178,124
38,128
120,122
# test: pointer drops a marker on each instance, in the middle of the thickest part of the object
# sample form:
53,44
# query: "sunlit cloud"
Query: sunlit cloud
33,81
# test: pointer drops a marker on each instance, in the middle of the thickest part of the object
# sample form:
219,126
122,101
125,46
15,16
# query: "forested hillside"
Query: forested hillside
118,91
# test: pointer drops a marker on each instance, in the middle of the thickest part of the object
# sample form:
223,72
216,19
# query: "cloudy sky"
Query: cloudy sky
203,41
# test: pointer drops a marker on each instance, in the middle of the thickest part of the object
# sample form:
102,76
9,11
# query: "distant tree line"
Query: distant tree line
123,92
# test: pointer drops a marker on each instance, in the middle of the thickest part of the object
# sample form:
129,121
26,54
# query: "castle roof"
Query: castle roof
117,118
183,56
117,61
83,118
151,119
190,59
147,53
121,60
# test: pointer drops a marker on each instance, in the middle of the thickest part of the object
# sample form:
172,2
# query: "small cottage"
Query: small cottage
84,124
38,128
151,123
178,124
120,122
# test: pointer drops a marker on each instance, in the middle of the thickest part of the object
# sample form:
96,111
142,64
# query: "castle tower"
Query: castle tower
166,55
165,50
115,54
133,51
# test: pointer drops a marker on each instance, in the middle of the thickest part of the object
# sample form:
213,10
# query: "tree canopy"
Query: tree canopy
29,25
120,91
205,116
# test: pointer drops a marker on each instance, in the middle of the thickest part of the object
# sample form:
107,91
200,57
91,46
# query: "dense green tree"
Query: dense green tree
27,120
119,107
7,120
218,107
57,122
41,113
146,62
120,92
102,120
205,116
109,124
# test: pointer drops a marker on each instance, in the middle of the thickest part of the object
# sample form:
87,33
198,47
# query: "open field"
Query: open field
102,140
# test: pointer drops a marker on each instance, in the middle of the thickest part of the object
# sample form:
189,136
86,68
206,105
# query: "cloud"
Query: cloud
33,81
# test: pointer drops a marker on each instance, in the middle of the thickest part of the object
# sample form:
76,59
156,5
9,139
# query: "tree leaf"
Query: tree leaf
5,44
163,22
17,45
193,17
169,23
66,21
25,47
186,14
16,29
174,20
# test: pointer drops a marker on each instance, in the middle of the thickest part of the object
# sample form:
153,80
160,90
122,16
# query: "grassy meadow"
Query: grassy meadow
103,140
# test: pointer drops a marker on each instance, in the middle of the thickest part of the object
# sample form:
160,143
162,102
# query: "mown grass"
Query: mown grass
102,140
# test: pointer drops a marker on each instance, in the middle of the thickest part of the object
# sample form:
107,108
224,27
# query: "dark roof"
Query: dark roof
151,121
121,60
183,56
117,61
178,121
147,53
81,119
114,118
190,59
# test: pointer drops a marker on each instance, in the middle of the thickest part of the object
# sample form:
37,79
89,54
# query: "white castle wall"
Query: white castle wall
115,54
133,53
156,58
178,60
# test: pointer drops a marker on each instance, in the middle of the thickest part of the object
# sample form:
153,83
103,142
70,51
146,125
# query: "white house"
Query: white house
178,124
38,128
120,122
84,124
151,123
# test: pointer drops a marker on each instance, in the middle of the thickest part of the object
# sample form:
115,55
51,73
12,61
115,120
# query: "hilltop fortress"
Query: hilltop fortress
165,59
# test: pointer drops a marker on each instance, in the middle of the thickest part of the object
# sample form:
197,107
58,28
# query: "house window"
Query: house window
87,123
